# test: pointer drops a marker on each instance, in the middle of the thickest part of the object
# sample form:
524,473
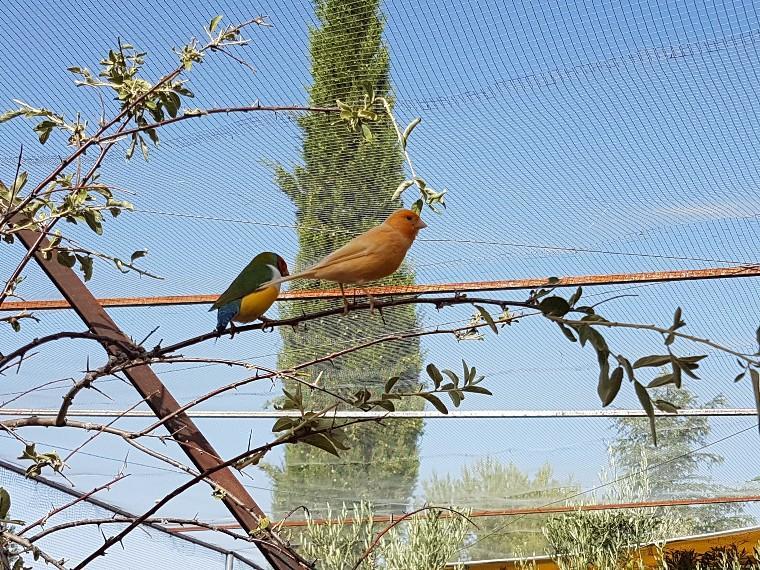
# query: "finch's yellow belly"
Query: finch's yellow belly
256,304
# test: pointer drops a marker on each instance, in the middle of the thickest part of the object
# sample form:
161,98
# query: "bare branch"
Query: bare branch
399,521
293,438
41,521
24,543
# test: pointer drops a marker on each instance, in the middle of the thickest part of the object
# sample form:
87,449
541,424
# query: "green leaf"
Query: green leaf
65,258
626,364
5,503
321,441
575,297
454,378
554,306
137,255
456,397
143,148
653,360
487,318
609,386
755,377
43,130
646,403
284,423
391,383
408,131
417,206
435,401
597,340
367,133
567,332
477,390
666,407
94,219
740,376
214,23
85,263
19,183
172,103
435,374
469,373
757,336
387,404
132,147
662,381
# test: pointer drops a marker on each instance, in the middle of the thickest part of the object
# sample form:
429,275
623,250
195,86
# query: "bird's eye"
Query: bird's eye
409,218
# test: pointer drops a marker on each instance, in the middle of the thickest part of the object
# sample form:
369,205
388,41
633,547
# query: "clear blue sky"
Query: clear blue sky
627,130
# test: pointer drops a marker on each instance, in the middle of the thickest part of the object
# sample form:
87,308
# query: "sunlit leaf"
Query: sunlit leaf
214,23
487,318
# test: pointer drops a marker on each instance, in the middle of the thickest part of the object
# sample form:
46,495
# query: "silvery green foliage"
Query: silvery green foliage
610,539
427,540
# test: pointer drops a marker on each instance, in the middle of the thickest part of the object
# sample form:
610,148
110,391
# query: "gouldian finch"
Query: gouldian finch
246,300
372,255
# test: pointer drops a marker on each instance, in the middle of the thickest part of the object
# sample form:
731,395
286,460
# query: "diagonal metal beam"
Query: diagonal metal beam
159,399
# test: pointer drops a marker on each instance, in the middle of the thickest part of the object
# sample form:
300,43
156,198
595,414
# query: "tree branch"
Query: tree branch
41,521
7,535
222,110
293,438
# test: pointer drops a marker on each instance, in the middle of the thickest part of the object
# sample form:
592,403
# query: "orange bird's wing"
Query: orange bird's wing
357,248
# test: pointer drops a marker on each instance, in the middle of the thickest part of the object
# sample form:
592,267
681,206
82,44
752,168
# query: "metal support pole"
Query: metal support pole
159,399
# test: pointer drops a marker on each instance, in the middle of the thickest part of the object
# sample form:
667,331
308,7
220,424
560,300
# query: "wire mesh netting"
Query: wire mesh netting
33,500
588,137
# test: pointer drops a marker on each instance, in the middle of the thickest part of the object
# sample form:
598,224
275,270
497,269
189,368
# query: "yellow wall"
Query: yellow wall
745,539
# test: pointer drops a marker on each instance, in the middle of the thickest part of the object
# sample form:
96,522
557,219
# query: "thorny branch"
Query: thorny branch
258,451
42,520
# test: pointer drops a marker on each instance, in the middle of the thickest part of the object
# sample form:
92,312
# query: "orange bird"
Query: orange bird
372,255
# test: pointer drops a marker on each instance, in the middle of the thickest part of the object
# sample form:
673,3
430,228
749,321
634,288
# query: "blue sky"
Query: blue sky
629,130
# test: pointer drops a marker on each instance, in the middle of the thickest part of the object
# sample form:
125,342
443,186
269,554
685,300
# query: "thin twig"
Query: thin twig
42,520
120,519
218,111
294,438
399,521
7,535
749,359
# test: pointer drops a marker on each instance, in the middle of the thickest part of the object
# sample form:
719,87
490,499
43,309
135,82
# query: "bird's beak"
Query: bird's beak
420,224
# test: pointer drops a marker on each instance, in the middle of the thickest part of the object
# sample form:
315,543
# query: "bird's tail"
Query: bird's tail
305,274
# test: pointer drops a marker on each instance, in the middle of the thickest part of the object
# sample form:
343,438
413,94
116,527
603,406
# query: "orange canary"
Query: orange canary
372,255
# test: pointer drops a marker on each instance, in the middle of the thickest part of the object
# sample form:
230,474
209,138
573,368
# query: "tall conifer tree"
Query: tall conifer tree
344,187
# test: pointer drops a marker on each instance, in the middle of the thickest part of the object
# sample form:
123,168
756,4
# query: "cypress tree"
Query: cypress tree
343,188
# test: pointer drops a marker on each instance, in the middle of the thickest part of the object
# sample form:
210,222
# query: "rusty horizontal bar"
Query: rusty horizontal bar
460,287
552,509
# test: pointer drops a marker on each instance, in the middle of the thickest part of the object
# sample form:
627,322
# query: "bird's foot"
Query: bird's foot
266,323
233,330
346,306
